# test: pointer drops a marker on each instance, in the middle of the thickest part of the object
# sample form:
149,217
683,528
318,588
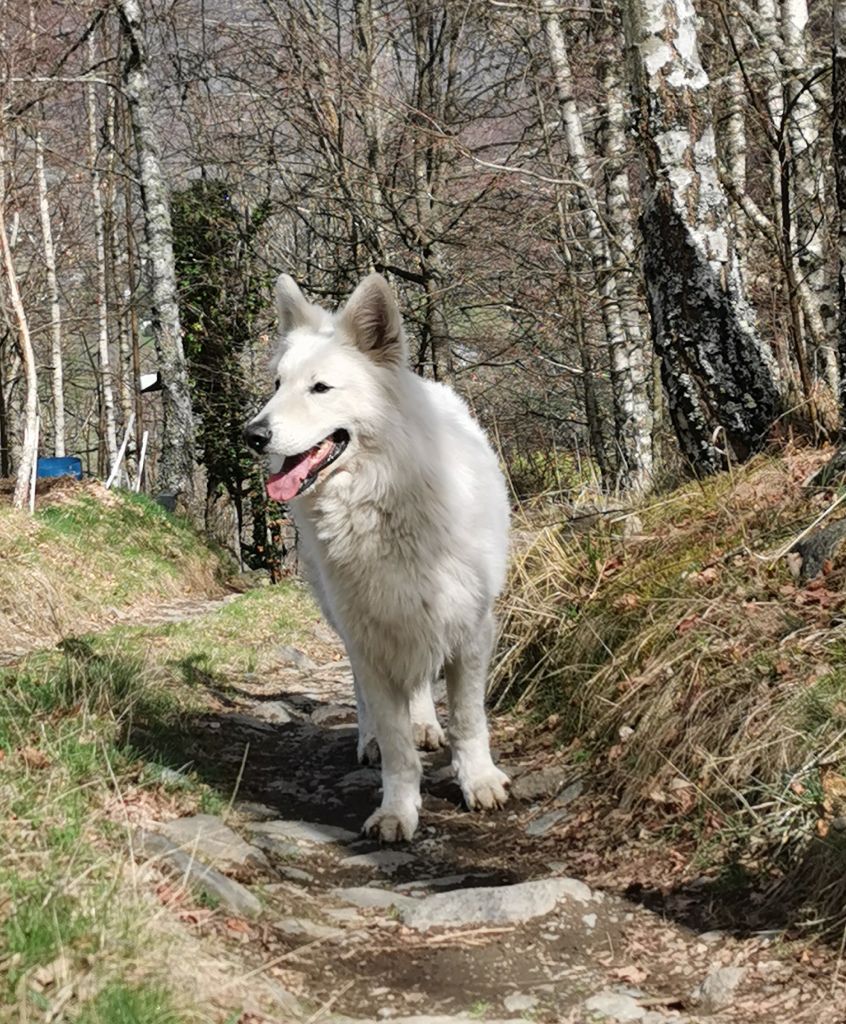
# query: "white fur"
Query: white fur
405,536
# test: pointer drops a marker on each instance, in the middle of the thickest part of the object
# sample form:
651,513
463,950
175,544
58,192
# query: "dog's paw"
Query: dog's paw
486,790
391,824
428,736
368,750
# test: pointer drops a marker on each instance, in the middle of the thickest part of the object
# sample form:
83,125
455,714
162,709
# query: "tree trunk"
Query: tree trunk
838,89
29,449
176,463
807,188
631,403
105,368
719,376
56,365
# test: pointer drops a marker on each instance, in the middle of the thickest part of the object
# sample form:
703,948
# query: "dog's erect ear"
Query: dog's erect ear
372,320
292,307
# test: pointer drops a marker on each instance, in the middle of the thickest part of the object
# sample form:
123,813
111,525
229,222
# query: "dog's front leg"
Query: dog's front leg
484,786
397,818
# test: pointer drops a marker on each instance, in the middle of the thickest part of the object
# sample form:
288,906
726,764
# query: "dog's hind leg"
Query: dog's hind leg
426,729
397,818
484,786
367,747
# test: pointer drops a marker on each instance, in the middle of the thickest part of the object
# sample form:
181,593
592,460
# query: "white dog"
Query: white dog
402,514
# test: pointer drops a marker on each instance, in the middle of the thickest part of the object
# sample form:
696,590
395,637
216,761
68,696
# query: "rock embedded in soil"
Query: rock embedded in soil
231,894
545,823
368,897
207,837
333,714
543,783
505,904
275,711
288,655
362,778
718,989
519,1002
379,860
303,832
615,1006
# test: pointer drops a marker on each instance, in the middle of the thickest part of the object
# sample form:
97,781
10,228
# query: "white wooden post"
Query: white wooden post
140,470
121,452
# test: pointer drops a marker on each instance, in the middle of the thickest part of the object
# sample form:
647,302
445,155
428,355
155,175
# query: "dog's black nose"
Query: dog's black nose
257,435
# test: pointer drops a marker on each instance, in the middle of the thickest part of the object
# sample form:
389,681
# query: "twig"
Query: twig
782,551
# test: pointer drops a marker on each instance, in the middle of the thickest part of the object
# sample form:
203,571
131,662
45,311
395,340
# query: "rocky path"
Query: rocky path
476,919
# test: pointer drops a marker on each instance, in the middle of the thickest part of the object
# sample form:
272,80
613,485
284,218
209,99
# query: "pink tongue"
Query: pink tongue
284,485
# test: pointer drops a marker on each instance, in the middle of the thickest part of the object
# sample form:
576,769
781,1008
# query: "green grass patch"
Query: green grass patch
120,1003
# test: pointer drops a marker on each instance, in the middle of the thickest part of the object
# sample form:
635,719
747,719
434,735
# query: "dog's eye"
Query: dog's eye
320,388
276,384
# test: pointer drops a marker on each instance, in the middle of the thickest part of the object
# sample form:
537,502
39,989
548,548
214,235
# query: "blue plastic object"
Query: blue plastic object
69,466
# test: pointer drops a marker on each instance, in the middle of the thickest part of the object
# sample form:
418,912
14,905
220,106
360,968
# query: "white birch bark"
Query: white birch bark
105,367
633,413
118,259
176,462
807,187
734,146
772,46
838,90
29,448
719,376
57,387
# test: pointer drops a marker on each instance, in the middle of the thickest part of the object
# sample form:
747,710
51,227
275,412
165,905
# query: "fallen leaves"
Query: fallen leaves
32,757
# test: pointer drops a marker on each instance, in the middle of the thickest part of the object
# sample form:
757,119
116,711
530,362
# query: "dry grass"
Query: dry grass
692,668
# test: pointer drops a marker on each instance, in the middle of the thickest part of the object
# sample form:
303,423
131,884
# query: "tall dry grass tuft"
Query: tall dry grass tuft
698,673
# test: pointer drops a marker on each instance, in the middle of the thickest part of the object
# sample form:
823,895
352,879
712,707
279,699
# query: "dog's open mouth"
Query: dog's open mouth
299,472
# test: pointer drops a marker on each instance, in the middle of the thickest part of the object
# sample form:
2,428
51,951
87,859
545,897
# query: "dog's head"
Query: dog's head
332,374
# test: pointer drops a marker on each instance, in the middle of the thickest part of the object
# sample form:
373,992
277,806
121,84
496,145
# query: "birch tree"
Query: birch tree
807,186
176,463
29,448
625,341
105,366
838,89
720,379
57,386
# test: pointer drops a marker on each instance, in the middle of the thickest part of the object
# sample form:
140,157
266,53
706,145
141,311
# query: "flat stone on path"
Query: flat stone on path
615,1006
519,1002
382,860
368,898
303,832
294,657
205,836
536,785
504,904
275,711
362,778
332,714
232,894
540,826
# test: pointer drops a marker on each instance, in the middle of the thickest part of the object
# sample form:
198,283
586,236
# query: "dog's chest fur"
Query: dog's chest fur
399,595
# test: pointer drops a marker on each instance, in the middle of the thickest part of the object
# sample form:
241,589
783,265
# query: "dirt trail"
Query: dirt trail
342,931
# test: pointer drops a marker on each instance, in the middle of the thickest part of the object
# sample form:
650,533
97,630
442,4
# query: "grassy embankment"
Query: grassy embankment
81,939
703,684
